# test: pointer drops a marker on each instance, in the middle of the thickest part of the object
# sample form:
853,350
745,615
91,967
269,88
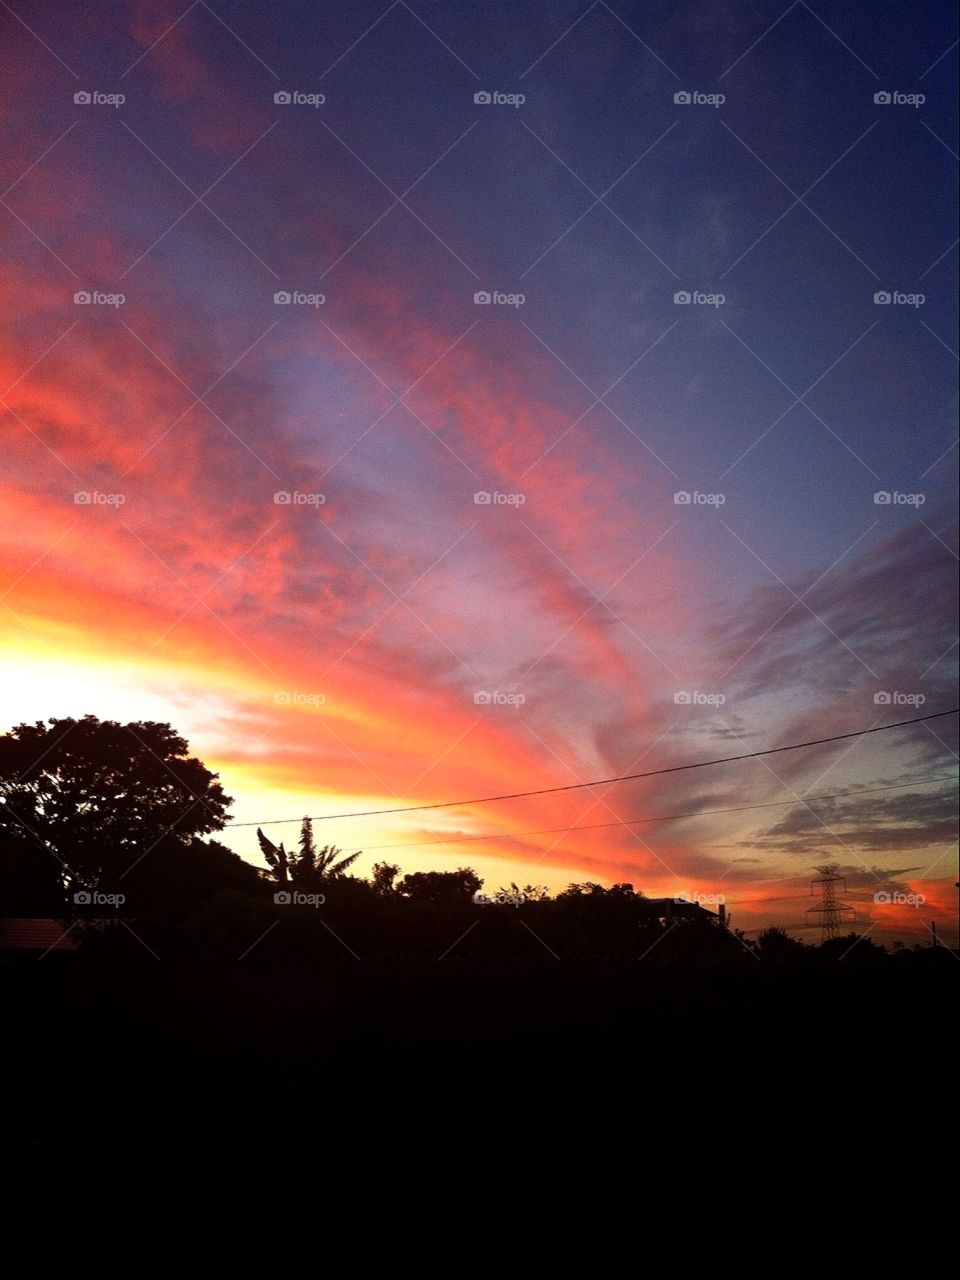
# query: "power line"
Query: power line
602,782
667,817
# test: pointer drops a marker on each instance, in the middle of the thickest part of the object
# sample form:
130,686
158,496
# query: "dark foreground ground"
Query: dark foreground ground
445,1119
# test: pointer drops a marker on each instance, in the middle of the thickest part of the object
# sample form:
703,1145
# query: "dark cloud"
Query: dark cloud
884,623
872,823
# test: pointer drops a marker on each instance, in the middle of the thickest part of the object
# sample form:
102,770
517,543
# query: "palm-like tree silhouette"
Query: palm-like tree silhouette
310,866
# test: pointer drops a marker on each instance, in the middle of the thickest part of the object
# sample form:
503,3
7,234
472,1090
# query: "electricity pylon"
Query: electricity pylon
828,912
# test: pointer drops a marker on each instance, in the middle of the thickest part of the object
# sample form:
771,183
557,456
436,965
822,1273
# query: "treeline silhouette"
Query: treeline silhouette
107,828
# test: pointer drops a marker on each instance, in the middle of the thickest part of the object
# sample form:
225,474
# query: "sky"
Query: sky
419,402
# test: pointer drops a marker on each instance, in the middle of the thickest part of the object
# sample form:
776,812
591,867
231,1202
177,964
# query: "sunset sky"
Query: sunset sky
324,653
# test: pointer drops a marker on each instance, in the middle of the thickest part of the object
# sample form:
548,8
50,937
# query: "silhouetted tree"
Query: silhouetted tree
776,944
95,798
277,858
582,889
441,887
176,878
327,865
309,868
514,895
306,865
589,889
852,946
384,878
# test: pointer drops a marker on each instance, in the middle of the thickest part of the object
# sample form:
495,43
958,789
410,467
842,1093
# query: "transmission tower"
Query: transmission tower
829,913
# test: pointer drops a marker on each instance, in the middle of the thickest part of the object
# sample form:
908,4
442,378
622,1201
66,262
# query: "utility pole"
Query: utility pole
829,912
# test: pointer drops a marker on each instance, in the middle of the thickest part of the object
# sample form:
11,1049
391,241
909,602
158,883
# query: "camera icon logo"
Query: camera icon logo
282,98
482,99
682,298
682,98
82,898
881,896
882,98
682,498
882,698
282,498
282,298
82,298
82,498
882,498
81,98
482,298
482,699
282,898
682,698
881,298
482,499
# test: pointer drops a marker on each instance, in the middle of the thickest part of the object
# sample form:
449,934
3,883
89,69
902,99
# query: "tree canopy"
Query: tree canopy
98,799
